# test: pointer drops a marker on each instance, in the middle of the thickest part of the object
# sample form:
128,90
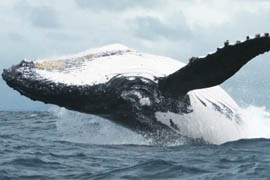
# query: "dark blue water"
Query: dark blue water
49,145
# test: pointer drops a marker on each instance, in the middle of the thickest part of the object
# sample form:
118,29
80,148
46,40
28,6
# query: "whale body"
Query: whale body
156,96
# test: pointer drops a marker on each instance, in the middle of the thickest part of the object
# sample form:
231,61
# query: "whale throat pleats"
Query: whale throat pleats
214,69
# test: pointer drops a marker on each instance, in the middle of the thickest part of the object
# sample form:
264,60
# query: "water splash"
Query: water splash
256,122
84,128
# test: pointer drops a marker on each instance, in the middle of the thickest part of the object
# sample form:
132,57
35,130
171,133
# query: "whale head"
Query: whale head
31,79
99,81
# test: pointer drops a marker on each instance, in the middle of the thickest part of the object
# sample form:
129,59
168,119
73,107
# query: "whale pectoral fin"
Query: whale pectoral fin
215,68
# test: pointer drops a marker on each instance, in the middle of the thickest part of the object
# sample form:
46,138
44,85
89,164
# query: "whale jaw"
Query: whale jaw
21,78
18,78
82,98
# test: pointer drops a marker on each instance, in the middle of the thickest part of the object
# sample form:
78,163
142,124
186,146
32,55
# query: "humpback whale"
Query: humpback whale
156,96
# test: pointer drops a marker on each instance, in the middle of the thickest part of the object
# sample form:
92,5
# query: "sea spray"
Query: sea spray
256,122
85,128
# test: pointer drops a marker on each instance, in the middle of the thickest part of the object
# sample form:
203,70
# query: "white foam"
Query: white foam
84,128
256,122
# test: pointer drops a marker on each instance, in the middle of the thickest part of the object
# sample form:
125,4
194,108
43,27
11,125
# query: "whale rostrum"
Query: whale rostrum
151,95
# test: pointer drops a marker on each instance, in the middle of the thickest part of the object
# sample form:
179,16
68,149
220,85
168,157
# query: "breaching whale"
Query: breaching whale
156,96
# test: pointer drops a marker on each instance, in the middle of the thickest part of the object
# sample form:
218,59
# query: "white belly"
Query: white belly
206,122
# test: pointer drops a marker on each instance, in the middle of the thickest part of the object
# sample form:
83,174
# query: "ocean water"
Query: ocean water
61,144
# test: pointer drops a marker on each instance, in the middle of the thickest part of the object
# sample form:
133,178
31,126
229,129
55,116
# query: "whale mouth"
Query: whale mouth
27,82
21,78
93,99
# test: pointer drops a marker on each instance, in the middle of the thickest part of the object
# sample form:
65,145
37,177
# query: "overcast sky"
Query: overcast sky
176,28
